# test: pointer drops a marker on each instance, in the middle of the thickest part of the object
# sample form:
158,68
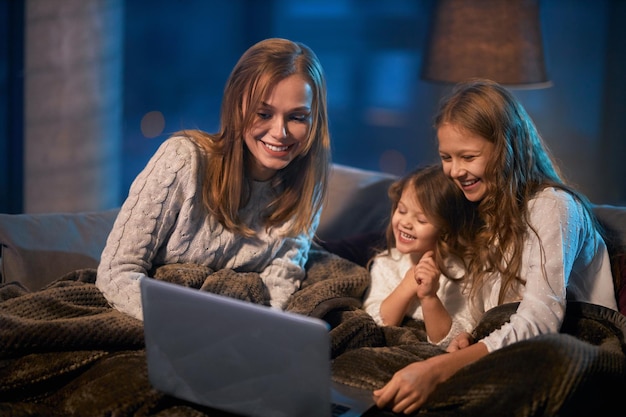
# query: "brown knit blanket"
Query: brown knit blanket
65,352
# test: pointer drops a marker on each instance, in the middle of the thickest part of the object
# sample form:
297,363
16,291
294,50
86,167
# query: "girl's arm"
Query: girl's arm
436,318
395,305
386,272
553,256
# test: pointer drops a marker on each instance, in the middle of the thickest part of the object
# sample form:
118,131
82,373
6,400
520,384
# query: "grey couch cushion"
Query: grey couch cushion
38,248
357,203
613,218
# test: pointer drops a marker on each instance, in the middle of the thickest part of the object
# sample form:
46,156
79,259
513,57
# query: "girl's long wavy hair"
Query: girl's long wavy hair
302,185
521,166
443,204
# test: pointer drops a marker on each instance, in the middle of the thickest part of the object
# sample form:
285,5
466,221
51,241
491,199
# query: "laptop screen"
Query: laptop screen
234,355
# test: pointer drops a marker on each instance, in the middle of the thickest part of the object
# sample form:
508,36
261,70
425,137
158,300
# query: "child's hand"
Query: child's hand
461,341
426,276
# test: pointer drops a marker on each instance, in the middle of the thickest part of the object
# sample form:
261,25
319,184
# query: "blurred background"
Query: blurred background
90,88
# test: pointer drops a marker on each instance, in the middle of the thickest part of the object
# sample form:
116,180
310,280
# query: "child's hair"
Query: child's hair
521,166
303,183
443,204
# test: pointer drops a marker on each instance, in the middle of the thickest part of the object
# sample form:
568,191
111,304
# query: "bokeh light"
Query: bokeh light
152,124
393,162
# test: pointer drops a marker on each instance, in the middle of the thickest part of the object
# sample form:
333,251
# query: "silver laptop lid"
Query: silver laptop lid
233,355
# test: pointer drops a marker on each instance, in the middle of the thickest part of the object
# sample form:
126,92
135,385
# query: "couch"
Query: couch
65,352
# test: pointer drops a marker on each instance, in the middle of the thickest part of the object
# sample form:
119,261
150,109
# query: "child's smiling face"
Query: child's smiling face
412,230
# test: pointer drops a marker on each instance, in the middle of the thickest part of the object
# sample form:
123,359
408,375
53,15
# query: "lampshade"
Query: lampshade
495,39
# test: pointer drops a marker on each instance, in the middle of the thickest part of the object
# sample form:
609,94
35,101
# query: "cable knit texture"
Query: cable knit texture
163,221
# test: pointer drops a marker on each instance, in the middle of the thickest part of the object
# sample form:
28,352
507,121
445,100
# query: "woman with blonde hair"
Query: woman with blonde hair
247,198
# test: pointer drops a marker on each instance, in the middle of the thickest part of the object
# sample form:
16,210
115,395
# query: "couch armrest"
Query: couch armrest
39,248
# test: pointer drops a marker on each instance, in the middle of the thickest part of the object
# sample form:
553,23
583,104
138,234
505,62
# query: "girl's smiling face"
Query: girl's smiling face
281,125
412,230
464,157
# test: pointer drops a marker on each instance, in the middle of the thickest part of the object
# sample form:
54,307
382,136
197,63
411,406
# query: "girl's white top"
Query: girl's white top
163,221
575,260
387,271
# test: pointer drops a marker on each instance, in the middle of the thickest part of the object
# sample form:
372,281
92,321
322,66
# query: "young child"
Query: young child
428,217
247,198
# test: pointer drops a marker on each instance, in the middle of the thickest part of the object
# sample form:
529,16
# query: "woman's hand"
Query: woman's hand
461,341
410,387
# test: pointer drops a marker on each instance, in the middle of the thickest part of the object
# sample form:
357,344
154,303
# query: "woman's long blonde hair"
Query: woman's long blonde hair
301,186
521,166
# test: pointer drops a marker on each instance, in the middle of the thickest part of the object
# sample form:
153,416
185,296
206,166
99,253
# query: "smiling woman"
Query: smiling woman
247,198
281,126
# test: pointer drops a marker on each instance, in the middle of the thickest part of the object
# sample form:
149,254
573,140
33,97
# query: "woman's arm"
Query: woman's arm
409,388
144,222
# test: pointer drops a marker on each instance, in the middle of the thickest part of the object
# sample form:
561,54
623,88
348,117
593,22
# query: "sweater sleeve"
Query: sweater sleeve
144,222
547,261
286,270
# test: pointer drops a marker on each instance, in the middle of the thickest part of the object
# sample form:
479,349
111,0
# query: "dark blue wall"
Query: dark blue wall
178,55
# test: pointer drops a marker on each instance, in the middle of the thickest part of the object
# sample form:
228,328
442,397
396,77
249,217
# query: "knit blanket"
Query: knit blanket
65,352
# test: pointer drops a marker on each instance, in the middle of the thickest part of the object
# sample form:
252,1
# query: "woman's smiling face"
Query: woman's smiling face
281,125
464,157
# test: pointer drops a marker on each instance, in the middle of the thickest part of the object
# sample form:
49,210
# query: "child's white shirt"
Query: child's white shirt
387,271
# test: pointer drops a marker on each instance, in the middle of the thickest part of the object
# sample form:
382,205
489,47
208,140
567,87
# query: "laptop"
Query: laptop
241,357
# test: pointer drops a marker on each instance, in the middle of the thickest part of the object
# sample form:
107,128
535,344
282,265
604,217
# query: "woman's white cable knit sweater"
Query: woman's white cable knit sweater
163,221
